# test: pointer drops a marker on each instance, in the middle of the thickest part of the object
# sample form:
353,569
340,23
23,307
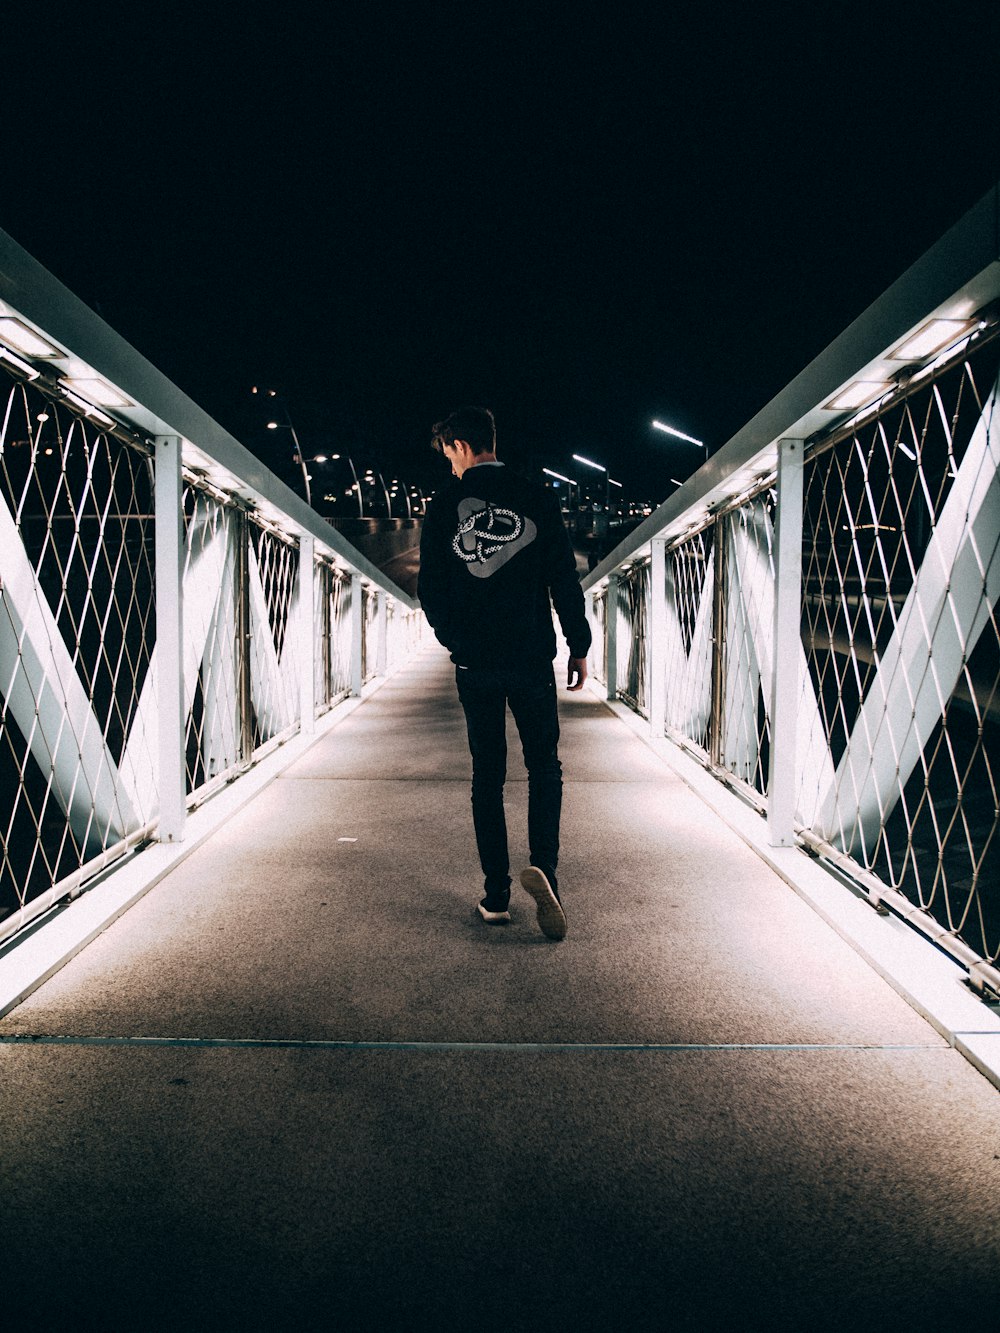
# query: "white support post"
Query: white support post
785,681
611,634
307,635
169,544
357,634
656,638
382,633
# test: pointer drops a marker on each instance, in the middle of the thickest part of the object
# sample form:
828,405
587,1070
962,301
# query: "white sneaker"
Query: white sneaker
551,917
492,917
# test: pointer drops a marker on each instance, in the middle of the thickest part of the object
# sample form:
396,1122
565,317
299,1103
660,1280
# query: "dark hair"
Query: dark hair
474,425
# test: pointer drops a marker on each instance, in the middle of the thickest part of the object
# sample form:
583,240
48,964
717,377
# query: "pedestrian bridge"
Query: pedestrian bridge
263,1063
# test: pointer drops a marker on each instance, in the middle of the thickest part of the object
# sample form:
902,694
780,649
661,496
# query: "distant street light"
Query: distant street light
669,430
569,482
357,487
287,425
589,462
319,458
598,467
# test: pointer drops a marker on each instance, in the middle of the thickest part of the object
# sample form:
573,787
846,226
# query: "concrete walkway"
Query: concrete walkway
301,1084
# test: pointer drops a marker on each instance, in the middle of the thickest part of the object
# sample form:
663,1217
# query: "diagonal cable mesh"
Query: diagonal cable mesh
273,577
79,724
633,619
901,571
333,661
211,580
77,631
340,634
369,647
687,652
744,739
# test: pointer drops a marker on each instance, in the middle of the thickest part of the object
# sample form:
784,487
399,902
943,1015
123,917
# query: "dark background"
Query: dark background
581,217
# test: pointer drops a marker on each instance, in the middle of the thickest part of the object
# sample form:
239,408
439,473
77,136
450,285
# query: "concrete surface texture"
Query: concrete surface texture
301,1083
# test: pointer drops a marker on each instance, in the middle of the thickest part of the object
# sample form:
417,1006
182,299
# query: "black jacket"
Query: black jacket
493,550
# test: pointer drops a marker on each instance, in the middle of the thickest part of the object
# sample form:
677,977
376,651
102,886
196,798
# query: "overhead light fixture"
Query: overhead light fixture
933,337
612,482
89,409
558,476
98,391
15,333
856,395
15,362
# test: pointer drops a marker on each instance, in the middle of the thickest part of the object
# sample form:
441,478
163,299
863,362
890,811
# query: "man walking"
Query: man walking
494,560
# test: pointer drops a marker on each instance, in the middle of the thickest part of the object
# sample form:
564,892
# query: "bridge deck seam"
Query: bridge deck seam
322,1044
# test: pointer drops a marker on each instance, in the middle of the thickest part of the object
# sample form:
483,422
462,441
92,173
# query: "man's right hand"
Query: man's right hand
577,673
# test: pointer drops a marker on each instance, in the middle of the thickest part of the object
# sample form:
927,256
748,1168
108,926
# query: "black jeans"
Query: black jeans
485,692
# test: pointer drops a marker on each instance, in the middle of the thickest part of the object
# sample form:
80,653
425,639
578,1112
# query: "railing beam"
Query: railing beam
787,640
169,546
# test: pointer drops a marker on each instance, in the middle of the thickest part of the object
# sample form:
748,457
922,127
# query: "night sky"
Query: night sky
582,218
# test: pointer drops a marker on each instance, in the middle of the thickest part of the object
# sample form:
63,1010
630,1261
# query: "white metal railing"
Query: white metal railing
814,614
169,611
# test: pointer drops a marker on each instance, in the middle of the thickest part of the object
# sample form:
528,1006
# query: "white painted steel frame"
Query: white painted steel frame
110,806
807,797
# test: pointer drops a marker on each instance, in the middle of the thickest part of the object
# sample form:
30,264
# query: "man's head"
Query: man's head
467,437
